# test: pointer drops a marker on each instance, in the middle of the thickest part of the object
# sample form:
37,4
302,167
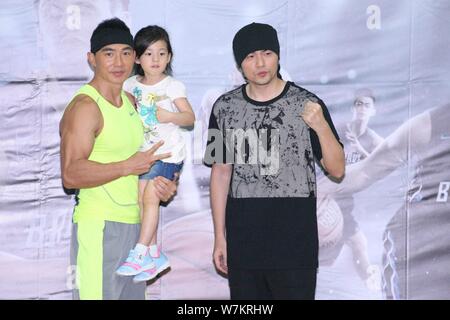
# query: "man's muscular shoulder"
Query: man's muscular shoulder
82,109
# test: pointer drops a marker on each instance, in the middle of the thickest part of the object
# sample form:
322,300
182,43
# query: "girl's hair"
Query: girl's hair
145,37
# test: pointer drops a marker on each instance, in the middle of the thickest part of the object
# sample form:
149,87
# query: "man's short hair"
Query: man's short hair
364,92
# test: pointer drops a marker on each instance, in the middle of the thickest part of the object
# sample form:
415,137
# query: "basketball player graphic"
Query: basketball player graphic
417,239
336,224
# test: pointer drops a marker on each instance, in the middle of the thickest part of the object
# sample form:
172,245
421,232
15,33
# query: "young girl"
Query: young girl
162,104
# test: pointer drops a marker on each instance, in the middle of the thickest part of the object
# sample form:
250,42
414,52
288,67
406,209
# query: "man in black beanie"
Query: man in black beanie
253,37
263,140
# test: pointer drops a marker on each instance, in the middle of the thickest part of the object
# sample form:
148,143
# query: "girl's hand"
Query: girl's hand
163,115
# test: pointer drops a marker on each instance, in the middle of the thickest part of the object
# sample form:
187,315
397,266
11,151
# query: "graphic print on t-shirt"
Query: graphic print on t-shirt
281,163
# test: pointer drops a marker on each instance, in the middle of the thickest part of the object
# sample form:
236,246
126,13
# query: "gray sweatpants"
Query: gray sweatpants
101,255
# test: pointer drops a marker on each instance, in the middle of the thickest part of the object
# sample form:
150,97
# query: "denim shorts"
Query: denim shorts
164,169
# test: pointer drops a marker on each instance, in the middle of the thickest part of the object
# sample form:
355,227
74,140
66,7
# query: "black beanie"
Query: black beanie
254,37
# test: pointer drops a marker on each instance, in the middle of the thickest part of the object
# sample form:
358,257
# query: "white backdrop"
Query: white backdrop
397,49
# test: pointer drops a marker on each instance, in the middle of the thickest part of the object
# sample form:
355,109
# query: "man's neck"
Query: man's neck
265,92
109,91
359,127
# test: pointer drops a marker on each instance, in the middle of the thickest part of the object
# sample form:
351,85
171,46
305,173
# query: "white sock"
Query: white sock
140,249
154,252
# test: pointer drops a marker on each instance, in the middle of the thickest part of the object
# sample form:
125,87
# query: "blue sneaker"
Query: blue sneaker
145,275
161,263
135,263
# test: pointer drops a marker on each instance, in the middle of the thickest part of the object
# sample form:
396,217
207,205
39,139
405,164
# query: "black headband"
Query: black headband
110,36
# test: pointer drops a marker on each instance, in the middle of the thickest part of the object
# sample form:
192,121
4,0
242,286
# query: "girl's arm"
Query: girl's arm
184,118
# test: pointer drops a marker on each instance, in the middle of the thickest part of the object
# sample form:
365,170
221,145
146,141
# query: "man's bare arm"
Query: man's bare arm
333,159
220,184
80,125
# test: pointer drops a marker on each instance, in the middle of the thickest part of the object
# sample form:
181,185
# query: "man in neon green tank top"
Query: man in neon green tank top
100,137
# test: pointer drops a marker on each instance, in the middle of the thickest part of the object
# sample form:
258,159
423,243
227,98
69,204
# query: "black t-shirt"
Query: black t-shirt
271,208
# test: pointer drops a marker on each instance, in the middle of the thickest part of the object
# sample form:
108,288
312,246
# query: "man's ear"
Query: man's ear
91,60
239,68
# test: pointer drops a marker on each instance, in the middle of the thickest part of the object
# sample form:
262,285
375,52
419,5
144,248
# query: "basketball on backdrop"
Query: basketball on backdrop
330,222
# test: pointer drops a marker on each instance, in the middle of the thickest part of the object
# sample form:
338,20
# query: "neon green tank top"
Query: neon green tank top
120,138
